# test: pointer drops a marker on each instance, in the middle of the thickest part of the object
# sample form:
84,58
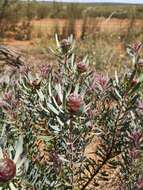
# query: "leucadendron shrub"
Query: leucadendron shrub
78,129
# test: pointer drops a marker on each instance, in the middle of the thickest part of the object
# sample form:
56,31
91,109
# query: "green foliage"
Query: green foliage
59,112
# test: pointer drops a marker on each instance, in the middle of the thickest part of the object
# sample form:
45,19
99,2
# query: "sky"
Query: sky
101,1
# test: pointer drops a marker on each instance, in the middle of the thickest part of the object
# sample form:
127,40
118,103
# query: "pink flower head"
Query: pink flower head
14,103
137,46
10,99
136,137
12,114
134,153
44,70
4,105
99,81
74,103
8,96
140,105
24,70
140,183
90,113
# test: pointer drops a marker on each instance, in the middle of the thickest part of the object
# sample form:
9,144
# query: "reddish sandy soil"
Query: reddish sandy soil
46,27
108,25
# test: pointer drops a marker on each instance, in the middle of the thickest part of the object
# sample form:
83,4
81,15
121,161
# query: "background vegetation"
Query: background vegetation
98,27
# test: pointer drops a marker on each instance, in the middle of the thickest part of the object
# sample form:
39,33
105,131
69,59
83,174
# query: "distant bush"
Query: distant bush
15,12
14,15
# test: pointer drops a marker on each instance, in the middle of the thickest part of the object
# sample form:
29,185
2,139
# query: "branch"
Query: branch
10,57
107,156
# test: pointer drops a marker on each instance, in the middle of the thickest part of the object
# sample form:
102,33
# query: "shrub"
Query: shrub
55,115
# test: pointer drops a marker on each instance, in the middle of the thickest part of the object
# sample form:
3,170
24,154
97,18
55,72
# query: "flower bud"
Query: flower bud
7,170
35,84
74,103
65,45
81,67
133,82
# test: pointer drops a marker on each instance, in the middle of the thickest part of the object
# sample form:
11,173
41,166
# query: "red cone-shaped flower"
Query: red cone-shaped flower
7,170
74,103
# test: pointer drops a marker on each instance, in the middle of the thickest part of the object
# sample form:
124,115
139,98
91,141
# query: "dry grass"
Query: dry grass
46,26
105,47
